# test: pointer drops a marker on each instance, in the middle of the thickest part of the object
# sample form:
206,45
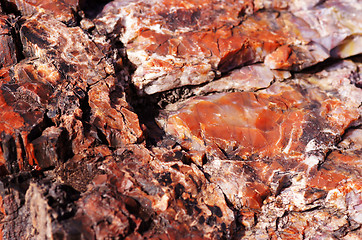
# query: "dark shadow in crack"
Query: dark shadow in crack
92,8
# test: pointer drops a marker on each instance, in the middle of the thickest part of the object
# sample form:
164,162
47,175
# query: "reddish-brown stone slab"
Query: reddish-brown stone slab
255,124
276,133
194,46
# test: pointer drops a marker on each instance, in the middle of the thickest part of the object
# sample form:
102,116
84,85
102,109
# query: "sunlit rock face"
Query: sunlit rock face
41,97
259,119
175,43
61,10
247,78
252,144
279,121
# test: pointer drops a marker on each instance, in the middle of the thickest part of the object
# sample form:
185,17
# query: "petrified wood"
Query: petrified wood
174,44
194,119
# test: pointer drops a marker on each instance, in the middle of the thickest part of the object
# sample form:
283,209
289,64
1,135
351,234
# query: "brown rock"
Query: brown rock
259,125
61,10
191,48
70,49
8,49
158,199
119,125
251,147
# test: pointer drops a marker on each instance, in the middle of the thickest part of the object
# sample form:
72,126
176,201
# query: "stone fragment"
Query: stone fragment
119,126
194,48
8,55
158,199
85,65
338,25
63,11
73,53
52,147
339,80
260,125
22,116
248,78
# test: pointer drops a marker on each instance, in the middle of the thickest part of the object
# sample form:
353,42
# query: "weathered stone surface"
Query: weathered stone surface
119,125
8,55
70,49
251,145
154,199
248,78
281,121
61,10
175,44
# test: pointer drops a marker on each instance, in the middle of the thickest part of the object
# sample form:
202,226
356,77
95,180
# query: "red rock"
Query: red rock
180,52
62,10
71,50
247,124
155,193
21,118
271,132
120,126
254,154
8,55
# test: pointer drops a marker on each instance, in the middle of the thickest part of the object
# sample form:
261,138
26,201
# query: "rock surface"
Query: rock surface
175,44
180,119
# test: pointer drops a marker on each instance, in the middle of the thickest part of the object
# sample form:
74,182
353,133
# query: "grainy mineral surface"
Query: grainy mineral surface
192,119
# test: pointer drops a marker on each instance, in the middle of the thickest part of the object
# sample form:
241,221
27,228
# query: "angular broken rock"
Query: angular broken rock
280,121
175,44
141,196
63,11
22,117
46,106
254,149
283,129
8,52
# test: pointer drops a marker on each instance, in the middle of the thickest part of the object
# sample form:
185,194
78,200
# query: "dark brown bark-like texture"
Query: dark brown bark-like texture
194,119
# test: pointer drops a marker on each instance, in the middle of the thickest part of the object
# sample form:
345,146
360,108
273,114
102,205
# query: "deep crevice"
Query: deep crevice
37,131
9,8
15,31
92,8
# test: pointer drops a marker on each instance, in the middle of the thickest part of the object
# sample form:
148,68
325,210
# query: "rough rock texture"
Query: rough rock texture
61,10
195,119
175,44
